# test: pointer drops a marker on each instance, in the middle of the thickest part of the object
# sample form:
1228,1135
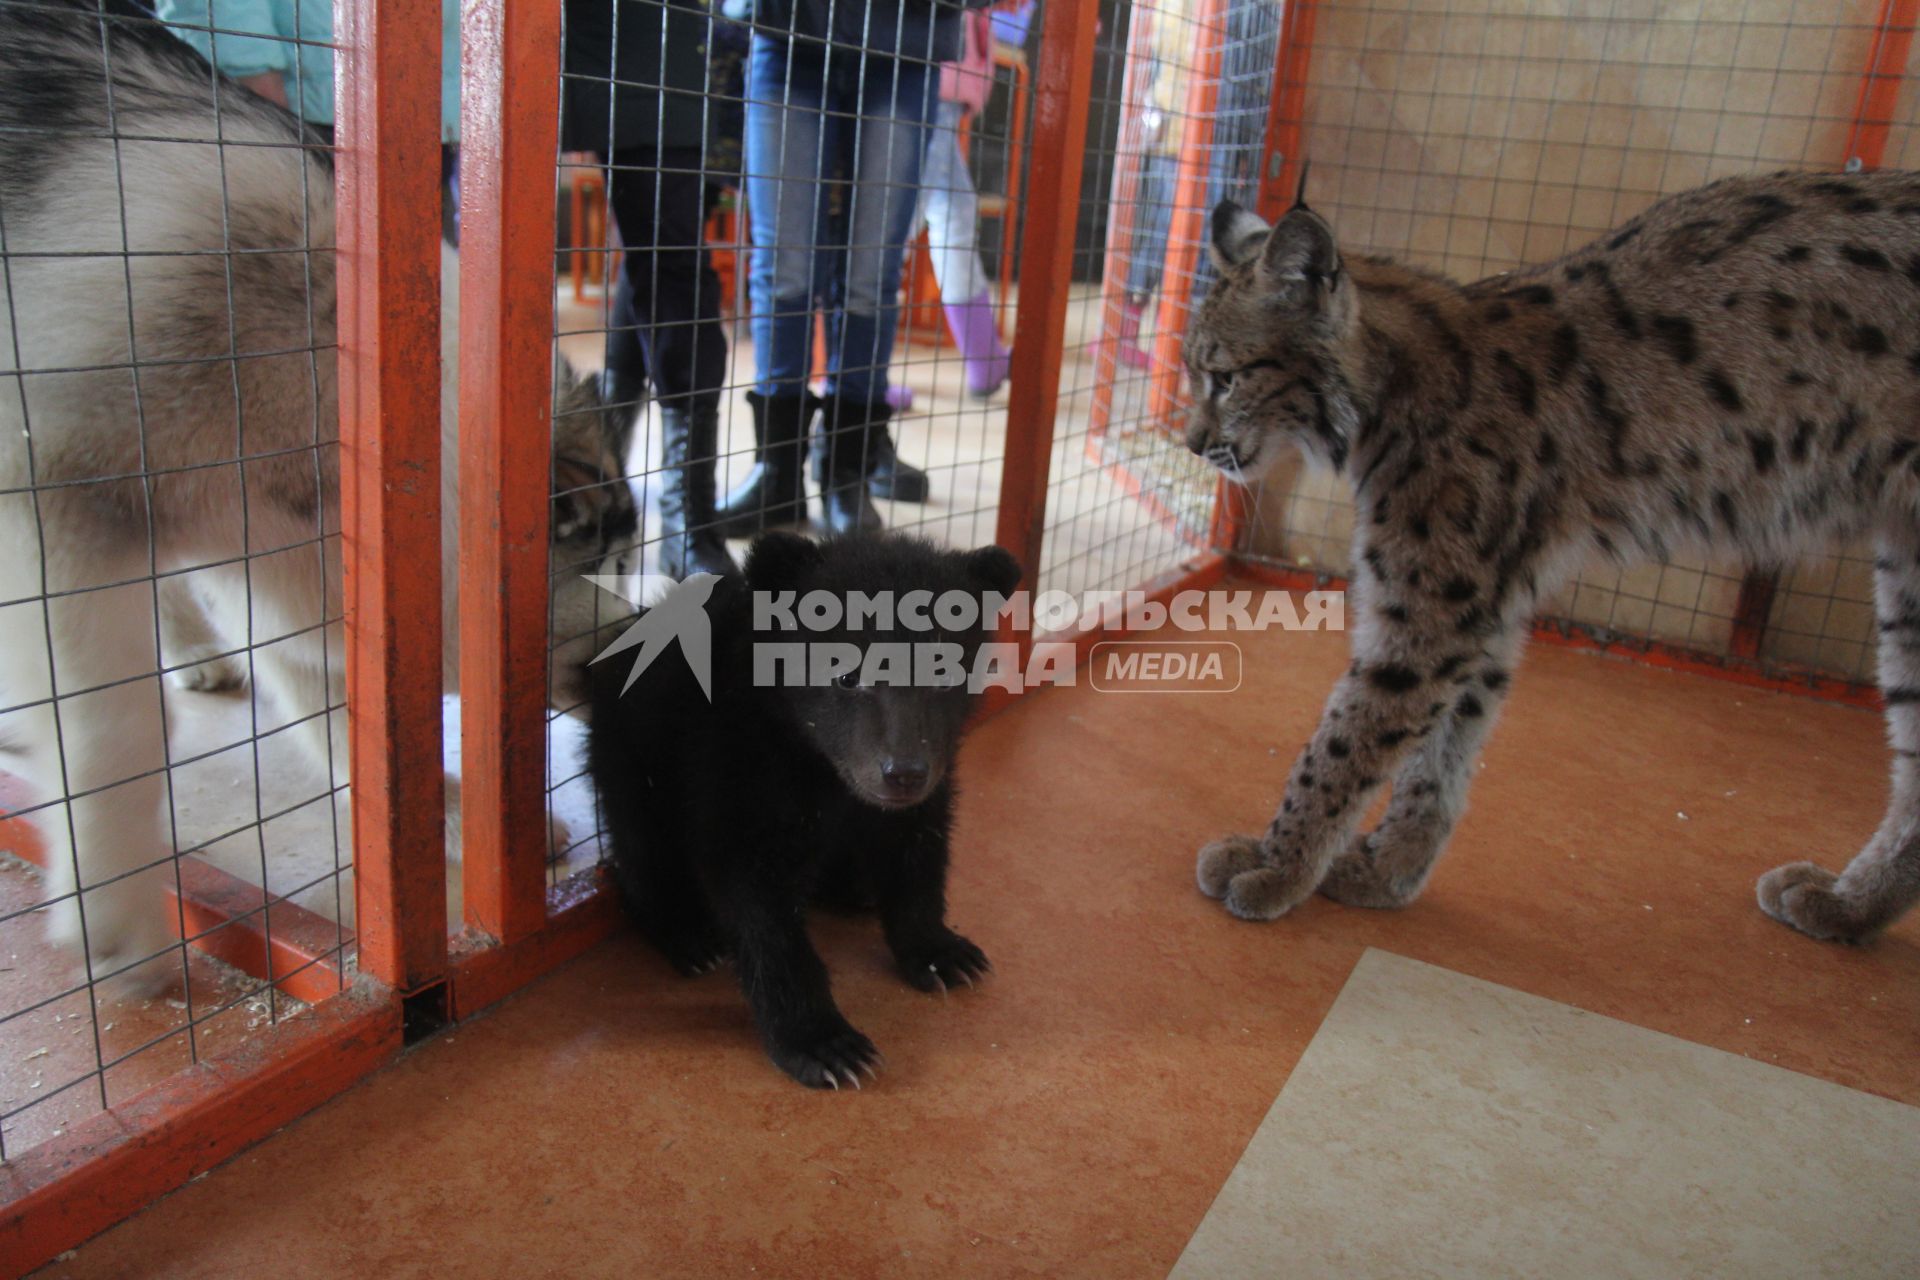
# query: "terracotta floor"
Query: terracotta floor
1079,1114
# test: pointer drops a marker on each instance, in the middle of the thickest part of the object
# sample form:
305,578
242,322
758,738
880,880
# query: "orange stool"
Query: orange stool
591,255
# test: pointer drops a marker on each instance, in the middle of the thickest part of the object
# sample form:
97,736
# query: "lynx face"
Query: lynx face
1266,354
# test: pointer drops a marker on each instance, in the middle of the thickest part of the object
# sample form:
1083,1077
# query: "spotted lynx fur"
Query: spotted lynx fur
1736,371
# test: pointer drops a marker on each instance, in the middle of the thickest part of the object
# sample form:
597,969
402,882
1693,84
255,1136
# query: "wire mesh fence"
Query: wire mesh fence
1472,138
177,878
1179,120
784,280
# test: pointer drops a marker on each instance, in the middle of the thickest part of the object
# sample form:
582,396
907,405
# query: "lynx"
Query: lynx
1735,371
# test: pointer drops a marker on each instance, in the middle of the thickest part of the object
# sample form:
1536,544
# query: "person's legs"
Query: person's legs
1147,255
623,380
669,294
786,131
891,102
953,229
953,211
1152,220
786,155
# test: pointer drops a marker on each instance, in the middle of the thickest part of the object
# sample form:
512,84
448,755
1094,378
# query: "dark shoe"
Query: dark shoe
842,457
690,541
775,491
891,478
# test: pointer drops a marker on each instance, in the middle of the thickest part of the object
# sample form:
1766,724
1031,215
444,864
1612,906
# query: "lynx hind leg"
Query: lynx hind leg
1389,867
1883,880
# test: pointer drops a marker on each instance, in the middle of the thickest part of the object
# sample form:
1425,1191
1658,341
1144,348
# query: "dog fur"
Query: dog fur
169,461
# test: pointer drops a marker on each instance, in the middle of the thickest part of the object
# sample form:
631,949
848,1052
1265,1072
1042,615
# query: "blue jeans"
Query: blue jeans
817,116
1152,223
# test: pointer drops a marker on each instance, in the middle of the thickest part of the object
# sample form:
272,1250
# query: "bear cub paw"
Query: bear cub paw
943,962
826,1053
692,947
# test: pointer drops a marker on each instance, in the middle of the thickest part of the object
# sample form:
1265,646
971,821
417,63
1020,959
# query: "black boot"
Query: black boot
775,491
842,458
891,477
690,540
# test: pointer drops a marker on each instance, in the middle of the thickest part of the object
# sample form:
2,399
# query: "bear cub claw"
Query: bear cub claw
825,1054
693,949
942,963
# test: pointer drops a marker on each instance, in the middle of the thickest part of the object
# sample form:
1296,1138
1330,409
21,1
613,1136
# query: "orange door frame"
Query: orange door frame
389,335
61,1191
1063,87
1280,163
1123,196
1187,228
510,107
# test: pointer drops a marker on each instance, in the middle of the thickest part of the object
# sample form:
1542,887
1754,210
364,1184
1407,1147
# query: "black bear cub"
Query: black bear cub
728,817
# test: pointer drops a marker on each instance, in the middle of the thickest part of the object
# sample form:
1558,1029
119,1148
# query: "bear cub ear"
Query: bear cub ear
776,560
994,567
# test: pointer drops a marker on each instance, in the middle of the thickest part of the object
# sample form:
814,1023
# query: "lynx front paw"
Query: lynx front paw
1801,894
1224,859
1267,893
1356,880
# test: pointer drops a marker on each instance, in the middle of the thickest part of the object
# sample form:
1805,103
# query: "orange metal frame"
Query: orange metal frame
506,399
1124,197
591,256
1279,177
62,1191
389,334
1062,95
1280,163
1187,230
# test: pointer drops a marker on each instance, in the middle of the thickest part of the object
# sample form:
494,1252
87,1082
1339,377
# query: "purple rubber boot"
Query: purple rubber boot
987,360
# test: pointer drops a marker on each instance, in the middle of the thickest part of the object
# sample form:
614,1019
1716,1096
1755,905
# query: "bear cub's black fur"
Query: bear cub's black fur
727,819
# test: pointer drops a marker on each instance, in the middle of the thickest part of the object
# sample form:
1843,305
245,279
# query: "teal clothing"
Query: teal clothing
295,38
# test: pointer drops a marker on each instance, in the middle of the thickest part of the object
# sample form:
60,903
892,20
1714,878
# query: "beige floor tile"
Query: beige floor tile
1440,1125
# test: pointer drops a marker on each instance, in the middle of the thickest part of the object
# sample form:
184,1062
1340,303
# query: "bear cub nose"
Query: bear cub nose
903,776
